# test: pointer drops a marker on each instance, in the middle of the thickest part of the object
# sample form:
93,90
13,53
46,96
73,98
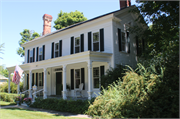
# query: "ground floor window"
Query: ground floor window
77,78
96,77
40,79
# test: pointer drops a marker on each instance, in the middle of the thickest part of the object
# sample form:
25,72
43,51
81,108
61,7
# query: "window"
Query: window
123,41
96,41
31,56
40,54
96,77
77,78
40,79
77,45
56,49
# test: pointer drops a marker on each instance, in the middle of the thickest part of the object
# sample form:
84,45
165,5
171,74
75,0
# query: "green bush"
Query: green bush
9,97
13,86
73,106
112,75
141,94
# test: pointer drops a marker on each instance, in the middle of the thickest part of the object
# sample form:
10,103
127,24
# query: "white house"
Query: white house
80,53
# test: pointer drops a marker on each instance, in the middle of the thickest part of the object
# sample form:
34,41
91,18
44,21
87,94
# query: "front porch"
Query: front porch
61,76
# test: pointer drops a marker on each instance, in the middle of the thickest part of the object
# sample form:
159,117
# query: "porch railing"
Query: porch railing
24,92
34,94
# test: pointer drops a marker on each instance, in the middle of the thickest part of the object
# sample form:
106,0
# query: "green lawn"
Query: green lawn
2,103
19,113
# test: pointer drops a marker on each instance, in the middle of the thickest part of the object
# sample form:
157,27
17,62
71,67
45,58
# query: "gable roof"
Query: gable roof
77,24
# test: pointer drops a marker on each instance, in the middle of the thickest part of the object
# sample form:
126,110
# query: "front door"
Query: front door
58,83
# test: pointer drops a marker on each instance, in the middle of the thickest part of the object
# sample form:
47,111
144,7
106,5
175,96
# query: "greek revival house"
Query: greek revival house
58,62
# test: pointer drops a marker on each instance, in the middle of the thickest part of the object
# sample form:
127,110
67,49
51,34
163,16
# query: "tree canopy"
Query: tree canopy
66,19
26,35
3,71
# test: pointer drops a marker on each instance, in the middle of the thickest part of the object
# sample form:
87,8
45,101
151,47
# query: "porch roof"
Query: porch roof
65,60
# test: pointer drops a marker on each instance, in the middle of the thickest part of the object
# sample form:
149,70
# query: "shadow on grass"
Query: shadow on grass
8,104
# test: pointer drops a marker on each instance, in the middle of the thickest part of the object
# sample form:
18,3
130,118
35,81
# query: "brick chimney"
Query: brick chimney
124,3
47,24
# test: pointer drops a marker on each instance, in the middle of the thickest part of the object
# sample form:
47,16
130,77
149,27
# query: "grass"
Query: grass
19,113
3,103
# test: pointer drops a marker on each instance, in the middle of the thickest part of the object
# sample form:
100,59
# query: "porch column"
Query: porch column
64,82
30,83
89,80
45,84
9,81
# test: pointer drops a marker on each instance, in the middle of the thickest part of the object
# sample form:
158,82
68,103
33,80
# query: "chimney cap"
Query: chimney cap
47,15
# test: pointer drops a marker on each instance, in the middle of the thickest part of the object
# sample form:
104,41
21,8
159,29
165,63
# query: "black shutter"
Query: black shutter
83,78
137,46
28,56
43,52
36,79
82,42
27,81
60,48
102,70
33,54
119,39
72,78
32,79
42,79
72,45
89,41
128,41
101,39
37,53
52,50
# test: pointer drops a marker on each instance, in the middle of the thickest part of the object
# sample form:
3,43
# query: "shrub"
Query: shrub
141,94
112,75
73,106
4,88
9,97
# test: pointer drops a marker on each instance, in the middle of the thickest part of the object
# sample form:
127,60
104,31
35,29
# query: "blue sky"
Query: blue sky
16,15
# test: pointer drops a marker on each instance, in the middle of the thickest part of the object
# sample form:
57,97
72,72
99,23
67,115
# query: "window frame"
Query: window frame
96,41
40,79
56,50
40,53
78,37
31,57
123,42
96,77
78,78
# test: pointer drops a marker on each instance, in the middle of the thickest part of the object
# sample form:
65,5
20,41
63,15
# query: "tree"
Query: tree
66,19
26,35
3,71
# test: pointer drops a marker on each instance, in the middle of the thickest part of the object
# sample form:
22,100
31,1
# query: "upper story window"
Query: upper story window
96,41
40,54
56,49
123,41
31,56
77,44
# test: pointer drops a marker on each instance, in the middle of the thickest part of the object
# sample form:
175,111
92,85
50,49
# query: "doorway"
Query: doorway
59,83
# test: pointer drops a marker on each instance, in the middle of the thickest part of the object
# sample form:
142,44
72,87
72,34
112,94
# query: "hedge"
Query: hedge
73,106
9,97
